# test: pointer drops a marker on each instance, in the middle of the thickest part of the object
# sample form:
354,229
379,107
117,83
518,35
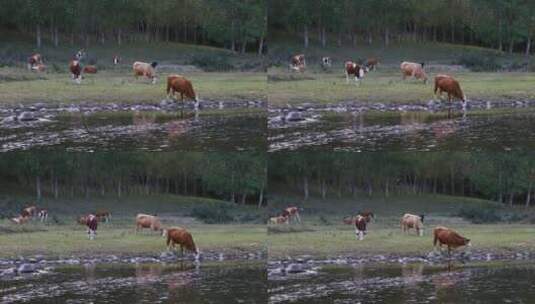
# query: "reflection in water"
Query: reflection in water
411,131
236,282
416,283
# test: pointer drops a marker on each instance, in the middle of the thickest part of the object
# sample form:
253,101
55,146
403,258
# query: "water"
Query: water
236,282
413,283
146,131
412,131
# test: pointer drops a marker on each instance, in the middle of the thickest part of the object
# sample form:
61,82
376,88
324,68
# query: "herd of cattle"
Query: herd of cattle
441,235
443,82
175,83
174,235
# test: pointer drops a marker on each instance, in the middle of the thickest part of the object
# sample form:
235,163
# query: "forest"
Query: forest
239,25
503,177
505,25
236,177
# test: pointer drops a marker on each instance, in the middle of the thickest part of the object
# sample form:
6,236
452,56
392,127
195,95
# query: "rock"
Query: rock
26,116
8,272
294,116
26,268
295,268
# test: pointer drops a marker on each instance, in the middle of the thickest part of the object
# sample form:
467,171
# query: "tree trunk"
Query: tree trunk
339,40
387,37
120,36
500,40
354,39
38,35
305,187
233,39
38,187
261,46
387,190
528,46
452,24
528,196
370,37
119,188
261,197
56,37
305,36
323,189
511,45
244,198
244,46
511,199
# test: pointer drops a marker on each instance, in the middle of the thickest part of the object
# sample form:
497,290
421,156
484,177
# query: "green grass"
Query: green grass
62,236
386,86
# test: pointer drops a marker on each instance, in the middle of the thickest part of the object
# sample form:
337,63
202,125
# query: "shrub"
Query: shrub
480,215
212,63
480,62
210,214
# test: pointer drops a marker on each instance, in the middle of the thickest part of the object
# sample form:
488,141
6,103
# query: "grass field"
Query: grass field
323,234
62,236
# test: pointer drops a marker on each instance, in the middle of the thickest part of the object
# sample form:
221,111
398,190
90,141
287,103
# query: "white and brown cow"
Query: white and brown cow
43,215
411,221
356,70
34,60
76,70
292,213
360,227
279,220
146,70
92,225
412,69
298,63
326,62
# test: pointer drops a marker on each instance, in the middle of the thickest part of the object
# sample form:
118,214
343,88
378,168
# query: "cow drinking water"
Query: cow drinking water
449,237
182,237
180,84
446,83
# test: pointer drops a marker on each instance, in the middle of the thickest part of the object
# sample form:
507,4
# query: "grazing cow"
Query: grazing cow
409,221
297,63
360,227
292,212
326,62
29,211
34,60
179,84
145,70
76,70
182,237
20,220
90,69
372,63
449,237
446,83
43,215
367,214
352,68
116,59
80,55
279,220
92,225
39,67
103,215
151,222
411,69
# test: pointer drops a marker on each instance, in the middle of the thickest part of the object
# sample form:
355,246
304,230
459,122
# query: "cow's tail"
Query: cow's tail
168,240
435,238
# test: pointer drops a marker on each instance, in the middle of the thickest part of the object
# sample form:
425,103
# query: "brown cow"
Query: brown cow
297,63
76,70
29,211
20,220
367,214
449,237
360,227
352,68
90,69
279,220
34,60
180,236
446,83
179,84
103,215
145,70
409,221
151,222
411,69
372,63
291,212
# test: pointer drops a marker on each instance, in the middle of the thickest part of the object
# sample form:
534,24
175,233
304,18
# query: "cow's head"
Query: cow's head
154,64
164,232
422,217
467,242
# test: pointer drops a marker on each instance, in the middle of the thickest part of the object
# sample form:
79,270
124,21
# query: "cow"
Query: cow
89,69
182,237
92,225
292,212
82,220
34,60
76,70
20,220
29,211
298,63
180,84
326,62
43,215
352,68
279,220
410,221
145,70
349,220
103,215
446,83
360,227
372,63
80,55
116,59
151,222
39,67
449,237
367,214
411,69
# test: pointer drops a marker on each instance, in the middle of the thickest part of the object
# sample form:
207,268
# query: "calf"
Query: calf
411,69
352,68
326,62
449,237
182,237
279,220
411,221
151,222
292,212
372,63
446,83
29,211
179,84
20,220
34,60
90,69
76,70
297,63
360,227
145,70
92,225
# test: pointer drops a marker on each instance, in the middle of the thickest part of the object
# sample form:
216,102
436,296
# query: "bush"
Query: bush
210,214
480,62
480,215
212,63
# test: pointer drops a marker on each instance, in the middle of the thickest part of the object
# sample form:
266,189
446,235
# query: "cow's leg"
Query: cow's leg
298,218
347,77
